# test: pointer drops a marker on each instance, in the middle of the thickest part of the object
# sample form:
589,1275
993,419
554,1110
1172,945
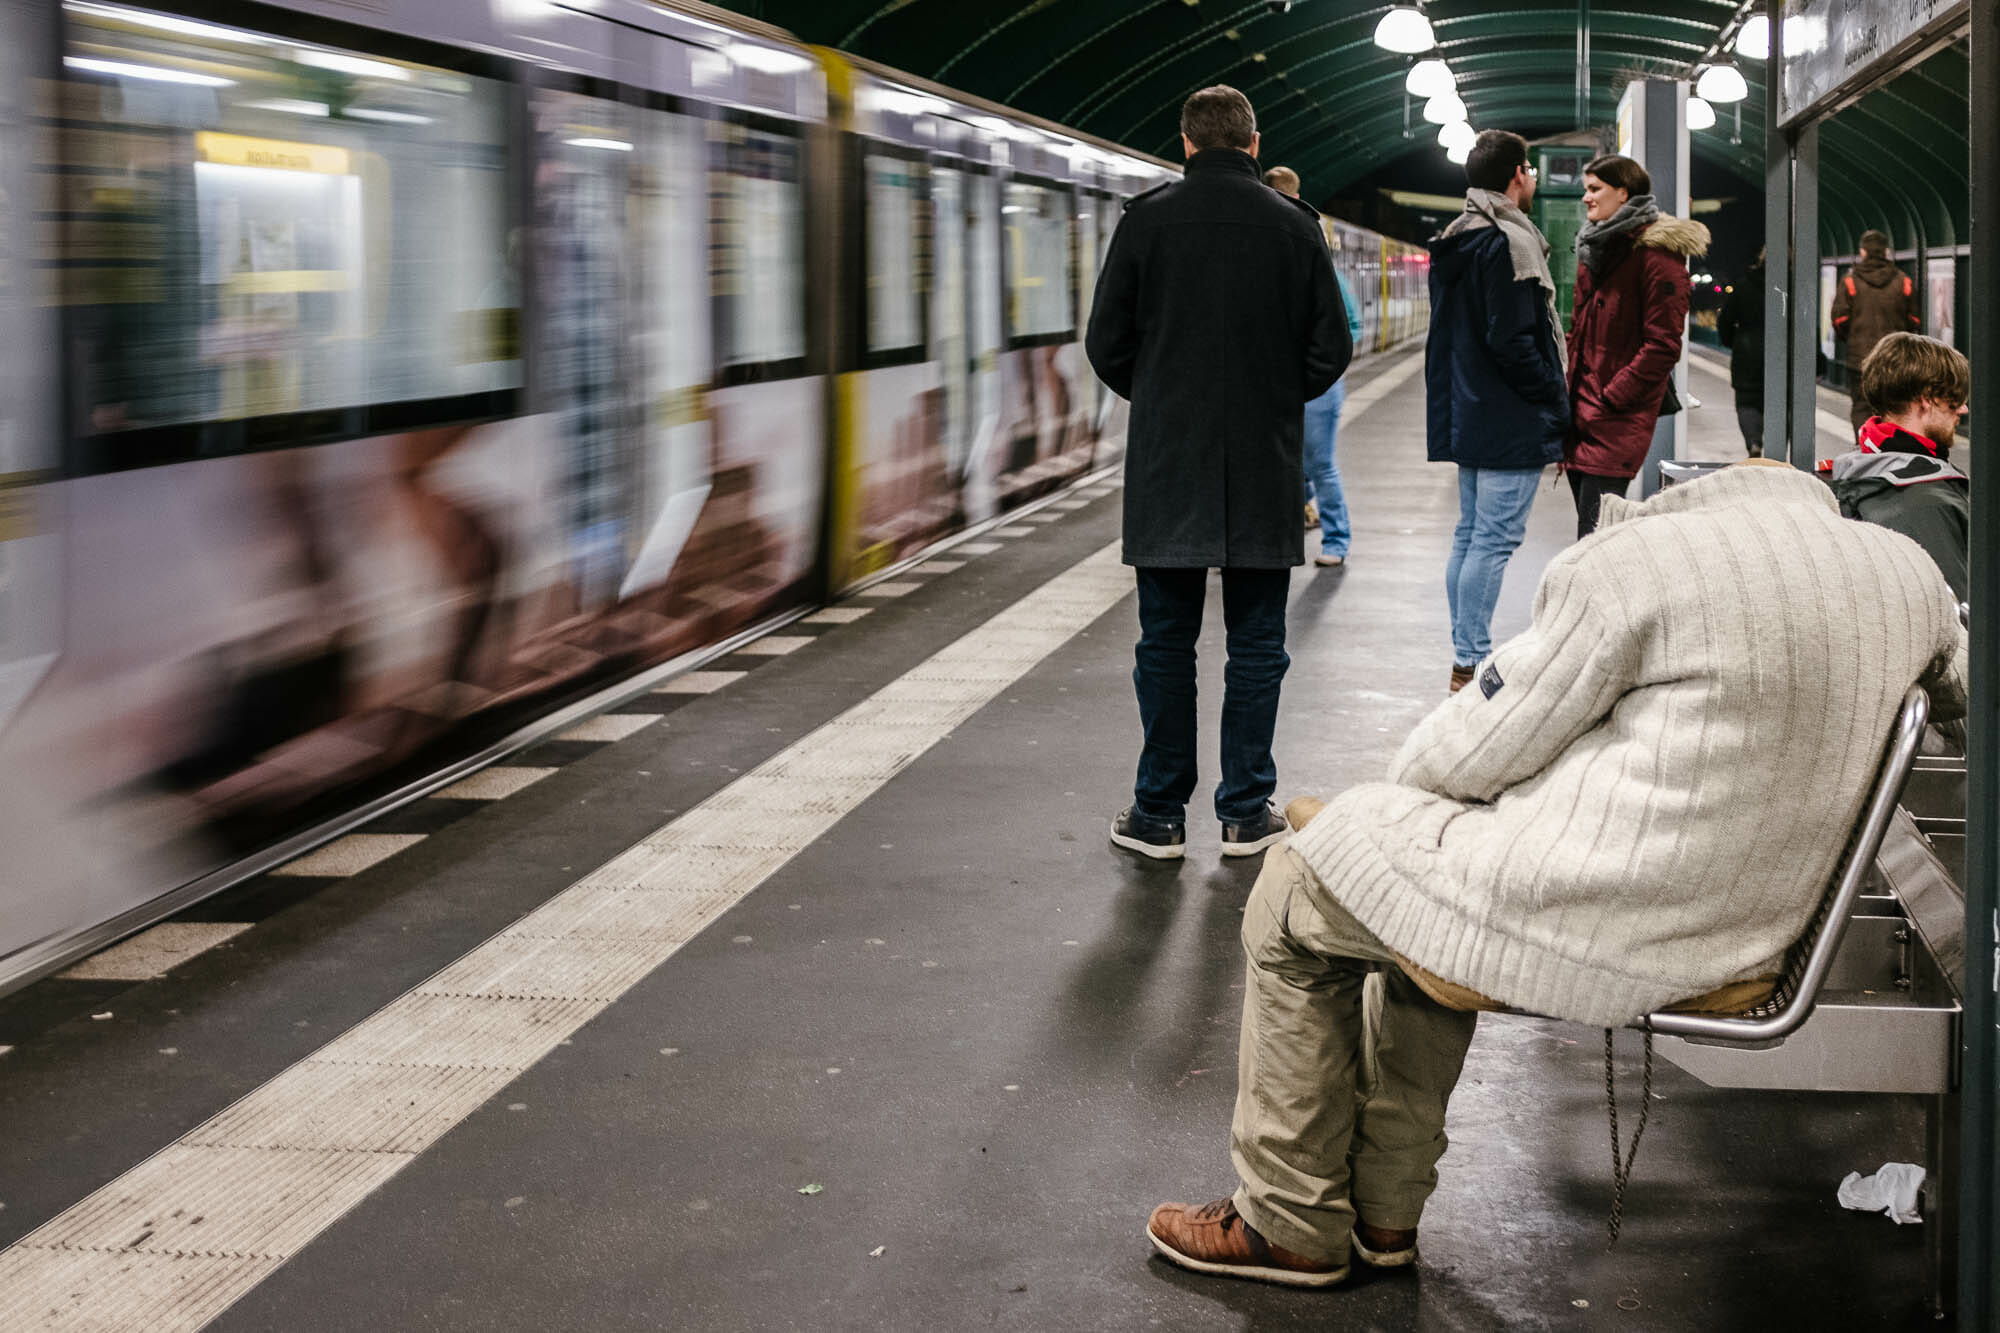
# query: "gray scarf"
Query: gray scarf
1639,213
1526,246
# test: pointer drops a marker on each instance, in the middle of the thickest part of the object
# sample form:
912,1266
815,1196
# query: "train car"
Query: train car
381,381
973,235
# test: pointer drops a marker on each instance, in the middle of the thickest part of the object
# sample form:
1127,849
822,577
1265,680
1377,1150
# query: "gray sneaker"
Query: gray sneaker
1254,834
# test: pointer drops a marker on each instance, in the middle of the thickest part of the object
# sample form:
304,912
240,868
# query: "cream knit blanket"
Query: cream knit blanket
1643,796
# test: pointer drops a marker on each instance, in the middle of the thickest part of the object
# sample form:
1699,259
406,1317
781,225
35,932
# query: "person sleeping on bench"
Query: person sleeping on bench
1636,806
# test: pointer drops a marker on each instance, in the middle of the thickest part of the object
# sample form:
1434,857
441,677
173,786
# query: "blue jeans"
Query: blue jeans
1322,474
1493,506
1253,609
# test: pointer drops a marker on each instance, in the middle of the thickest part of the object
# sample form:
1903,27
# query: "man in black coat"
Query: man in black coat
1217,313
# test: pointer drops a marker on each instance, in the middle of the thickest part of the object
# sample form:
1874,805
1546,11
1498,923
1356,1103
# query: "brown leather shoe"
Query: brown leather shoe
1214,1238
1379,1247
1462,677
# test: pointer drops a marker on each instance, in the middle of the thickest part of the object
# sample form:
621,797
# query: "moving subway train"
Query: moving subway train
382,376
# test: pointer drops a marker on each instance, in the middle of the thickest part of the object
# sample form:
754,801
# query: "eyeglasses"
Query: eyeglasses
1532,172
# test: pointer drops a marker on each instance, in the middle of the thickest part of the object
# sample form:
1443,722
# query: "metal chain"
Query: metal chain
1621,1163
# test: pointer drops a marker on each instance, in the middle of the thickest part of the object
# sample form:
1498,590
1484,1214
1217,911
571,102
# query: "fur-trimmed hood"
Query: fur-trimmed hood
1677,236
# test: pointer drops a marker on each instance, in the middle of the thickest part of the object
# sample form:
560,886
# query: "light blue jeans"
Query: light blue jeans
1322,475
1493,506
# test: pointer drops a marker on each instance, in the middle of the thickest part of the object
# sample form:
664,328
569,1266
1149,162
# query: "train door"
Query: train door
1088,256
982,221
671,343
31,539
951,311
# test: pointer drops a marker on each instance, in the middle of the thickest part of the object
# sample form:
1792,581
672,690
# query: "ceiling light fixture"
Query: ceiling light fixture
1458,134
1405,30
1754,42
1457,153
1701,115
1430,78
1444,109
1722,83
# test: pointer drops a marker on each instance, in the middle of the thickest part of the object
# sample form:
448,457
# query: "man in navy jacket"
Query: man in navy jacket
1496,388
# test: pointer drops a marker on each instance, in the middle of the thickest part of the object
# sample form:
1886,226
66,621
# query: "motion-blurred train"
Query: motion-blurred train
378,377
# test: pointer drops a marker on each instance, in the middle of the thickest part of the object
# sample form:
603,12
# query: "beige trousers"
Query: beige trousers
1313,1142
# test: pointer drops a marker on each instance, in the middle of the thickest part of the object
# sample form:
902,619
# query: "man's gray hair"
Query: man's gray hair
1219,117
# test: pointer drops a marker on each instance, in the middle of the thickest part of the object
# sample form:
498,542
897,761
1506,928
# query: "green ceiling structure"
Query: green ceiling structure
1331,103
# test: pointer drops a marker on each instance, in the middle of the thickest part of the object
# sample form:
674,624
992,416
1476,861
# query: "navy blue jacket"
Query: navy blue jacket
1493,378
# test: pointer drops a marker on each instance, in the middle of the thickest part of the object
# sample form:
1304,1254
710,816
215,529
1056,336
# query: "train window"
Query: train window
897,263
757,242
256,227
1036,219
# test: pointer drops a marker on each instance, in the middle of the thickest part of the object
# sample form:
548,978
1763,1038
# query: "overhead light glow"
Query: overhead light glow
1754,42
1406,31
611,145
139,18
1458,152
387,117
291,106
1805,34
904,102
342,63
1701,115
1458,134
154,73
1430,78
1722,83
1444,109
767,59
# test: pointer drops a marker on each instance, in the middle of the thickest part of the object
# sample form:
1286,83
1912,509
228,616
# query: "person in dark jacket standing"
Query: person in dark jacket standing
1740,326
1902,477
1218,316
1627,332
1496,401
1874,300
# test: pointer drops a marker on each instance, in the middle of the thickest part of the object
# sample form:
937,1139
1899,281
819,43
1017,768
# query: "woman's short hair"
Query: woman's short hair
1907,366
1620,173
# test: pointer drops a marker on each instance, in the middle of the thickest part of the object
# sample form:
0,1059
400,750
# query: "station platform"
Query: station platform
805,991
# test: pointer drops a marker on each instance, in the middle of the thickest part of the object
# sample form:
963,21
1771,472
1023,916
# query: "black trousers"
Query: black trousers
1589,492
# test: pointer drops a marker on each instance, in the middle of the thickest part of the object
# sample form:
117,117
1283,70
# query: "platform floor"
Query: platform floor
679,969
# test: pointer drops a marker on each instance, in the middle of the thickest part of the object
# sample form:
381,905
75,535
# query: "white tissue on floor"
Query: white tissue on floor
1892,1190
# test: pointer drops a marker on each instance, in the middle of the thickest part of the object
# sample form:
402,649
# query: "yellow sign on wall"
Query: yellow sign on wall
238,150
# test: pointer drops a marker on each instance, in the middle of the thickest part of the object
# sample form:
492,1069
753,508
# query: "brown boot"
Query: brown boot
1379,1247
1214,1238
1461,677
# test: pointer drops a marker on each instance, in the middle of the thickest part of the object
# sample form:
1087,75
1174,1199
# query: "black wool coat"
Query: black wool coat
1218,315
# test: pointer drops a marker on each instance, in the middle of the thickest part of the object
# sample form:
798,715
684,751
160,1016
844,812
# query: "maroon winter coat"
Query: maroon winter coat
1624,342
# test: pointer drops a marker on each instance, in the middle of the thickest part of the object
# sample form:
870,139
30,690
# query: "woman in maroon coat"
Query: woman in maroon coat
1625,337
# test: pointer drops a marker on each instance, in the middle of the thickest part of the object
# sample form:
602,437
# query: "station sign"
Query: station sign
1834,50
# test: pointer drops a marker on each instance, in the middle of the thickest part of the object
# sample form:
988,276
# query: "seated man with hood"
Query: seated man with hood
1608,822
1902,475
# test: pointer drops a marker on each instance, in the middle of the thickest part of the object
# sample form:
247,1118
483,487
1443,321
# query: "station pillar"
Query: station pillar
1653,131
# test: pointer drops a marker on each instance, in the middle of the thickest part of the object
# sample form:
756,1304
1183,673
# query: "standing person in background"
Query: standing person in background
1630,324
1495,397
1874,300
1217,314
1741,328
1326,503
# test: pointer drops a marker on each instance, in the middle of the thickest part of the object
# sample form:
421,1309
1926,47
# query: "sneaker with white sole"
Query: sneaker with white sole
1379,1247
1161,839
1251,836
